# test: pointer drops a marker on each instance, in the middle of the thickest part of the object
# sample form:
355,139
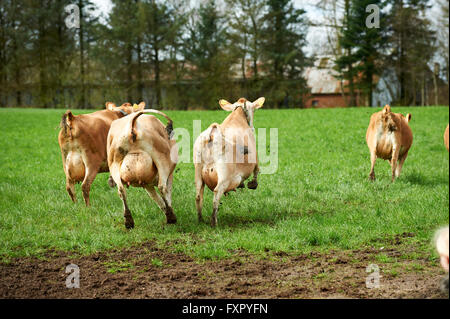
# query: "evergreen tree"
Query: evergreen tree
161,25
206,51
364,46
123,36
246,23
412,44
283,57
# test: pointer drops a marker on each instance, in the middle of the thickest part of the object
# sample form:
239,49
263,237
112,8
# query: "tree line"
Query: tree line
175,56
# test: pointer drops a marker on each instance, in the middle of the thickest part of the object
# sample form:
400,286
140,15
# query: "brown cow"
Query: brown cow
390,138
216,153
141,153
446,137
82,140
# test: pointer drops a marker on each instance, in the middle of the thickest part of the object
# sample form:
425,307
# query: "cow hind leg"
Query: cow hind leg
87,182
170,215
70,187
200,188
165,188
157,198
373,158
115,173
111,182
218,193
253,184
165,174
401,161
394,163
129,222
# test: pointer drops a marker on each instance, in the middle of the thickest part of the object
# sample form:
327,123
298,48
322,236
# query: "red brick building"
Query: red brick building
325,89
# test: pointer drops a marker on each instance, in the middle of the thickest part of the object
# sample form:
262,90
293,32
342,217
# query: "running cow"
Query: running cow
390,138
225,154
141,153
82,141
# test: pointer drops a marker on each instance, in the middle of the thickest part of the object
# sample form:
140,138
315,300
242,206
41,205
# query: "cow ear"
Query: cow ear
227,106
141,106
387,109
408,117
110,106
259,103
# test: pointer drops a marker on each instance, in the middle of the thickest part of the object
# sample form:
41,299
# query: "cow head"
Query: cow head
247,106
125,108
388,119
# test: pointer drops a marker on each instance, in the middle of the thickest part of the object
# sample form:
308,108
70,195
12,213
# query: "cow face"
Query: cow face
388,121
125,108
248,107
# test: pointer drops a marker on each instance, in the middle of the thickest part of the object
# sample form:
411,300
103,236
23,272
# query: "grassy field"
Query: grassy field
319,199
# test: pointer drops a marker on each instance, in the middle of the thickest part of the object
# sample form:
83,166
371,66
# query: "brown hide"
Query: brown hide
141,154
225,154
389,137
446,137
82,140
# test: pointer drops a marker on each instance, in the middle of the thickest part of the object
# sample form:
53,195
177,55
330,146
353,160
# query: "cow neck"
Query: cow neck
245,111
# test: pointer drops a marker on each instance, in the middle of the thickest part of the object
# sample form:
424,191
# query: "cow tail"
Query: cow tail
67,123
133,134
216,133
169,126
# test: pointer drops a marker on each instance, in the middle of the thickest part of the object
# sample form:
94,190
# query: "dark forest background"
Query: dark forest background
175,56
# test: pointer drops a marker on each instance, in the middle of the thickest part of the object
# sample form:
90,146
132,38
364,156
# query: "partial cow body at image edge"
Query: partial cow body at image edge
141,153
216,153
82,141
389,137
446,137
442,247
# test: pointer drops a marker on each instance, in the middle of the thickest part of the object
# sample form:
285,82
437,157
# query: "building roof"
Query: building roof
322,78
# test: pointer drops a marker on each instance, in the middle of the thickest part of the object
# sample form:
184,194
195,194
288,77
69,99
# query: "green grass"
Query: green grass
319,199
114,267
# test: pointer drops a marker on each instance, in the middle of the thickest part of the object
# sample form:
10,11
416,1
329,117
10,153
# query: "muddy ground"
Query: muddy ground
145,271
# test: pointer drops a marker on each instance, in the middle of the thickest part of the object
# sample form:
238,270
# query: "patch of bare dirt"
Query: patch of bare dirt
146,271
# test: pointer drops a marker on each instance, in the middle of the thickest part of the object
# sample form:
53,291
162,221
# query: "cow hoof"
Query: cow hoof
111,182
372,178
129,224
171,220
252,185
241,185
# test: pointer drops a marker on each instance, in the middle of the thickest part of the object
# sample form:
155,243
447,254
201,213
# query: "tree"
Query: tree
364,48
246,23
121,38
161,29
13,55
346,62
284,59
206,52
412,46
